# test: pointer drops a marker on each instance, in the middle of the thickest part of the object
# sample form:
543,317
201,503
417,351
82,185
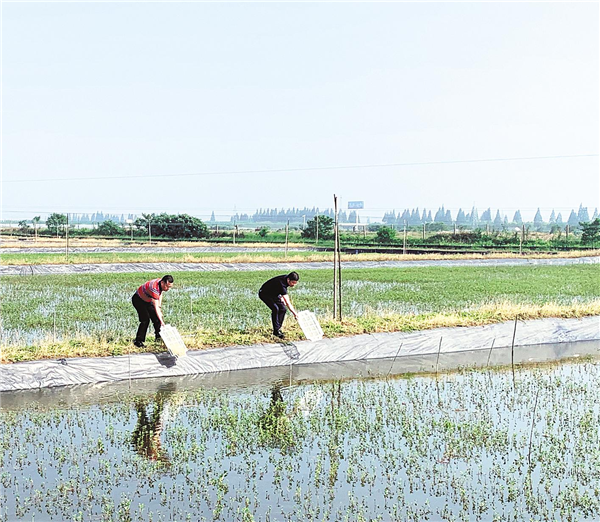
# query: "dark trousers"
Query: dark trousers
278,310
146,313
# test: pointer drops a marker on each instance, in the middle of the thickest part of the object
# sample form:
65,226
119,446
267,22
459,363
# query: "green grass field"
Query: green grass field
239,257
89,314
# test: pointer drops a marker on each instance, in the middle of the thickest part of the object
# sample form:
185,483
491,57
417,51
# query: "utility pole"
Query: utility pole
287,230
335,275
67,238
317,224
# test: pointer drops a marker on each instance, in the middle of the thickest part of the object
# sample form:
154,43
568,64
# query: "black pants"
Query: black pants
278,310
146,313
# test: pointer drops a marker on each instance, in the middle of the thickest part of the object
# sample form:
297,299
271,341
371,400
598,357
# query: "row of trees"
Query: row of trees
322,227
295,216
184,226
173,226
415,217
410,217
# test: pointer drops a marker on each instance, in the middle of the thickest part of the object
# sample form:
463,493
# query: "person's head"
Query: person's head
166,283
293,278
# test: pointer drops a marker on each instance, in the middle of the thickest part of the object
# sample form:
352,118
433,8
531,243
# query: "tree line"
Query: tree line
473,219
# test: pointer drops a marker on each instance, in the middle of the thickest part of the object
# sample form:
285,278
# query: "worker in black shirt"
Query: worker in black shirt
274,294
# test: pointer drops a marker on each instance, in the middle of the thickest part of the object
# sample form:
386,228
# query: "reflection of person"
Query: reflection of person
146,435
274,294
148,301
274,424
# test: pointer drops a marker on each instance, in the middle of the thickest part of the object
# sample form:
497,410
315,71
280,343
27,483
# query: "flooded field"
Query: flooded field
275,446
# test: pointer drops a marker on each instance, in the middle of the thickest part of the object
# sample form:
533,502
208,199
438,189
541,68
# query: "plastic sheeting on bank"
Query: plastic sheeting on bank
149,250
165,268
63,372
292,374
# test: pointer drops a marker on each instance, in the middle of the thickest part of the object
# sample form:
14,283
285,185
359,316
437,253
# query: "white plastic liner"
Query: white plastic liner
147,249
50,373
105,268
111,392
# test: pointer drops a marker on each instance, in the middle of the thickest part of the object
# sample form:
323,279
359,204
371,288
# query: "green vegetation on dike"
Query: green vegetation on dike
91,314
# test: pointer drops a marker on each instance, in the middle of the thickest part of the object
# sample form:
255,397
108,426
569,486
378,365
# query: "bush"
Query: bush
109,228
55,222
180,226
325,225
591,231
386,235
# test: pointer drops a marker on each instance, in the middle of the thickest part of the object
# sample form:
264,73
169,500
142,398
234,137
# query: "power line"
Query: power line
304,169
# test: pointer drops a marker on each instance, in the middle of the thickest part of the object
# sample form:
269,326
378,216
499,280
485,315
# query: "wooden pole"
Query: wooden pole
404,240
287,231
339,259
335,282
67,238
317,219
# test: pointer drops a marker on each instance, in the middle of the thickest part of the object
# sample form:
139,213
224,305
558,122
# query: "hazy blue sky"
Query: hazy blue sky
147,94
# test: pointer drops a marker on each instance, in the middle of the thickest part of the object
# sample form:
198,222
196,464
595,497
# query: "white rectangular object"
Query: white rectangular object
173,340
310,325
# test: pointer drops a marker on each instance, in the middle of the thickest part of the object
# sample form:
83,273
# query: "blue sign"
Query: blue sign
356,205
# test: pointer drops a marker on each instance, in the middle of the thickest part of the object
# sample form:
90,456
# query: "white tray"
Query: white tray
310,325
173,340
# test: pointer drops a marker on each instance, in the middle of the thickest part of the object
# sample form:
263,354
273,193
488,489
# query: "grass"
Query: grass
55,316
248,257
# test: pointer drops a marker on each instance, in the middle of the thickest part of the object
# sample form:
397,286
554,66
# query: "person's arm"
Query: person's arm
288,302
158,307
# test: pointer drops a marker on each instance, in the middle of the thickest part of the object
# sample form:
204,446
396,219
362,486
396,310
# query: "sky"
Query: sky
230,107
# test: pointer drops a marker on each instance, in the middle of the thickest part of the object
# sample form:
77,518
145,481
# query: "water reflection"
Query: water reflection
152,413
274,424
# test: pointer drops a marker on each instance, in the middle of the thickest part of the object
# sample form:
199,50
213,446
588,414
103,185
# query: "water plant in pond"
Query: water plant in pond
465,447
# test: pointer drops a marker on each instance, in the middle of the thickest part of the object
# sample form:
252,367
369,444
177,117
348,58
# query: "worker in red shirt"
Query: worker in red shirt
148,301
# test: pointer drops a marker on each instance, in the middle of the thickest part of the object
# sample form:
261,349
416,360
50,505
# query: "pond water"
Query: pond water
471,444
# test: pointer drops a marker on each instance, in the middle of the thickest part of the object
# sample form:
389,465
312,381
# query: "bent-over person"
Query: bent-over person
147,301
274,293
